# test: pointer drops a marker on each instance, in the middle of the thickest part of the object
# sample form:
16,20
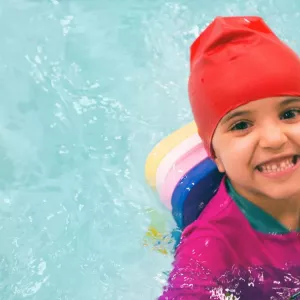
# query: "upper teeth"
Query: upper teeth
277,166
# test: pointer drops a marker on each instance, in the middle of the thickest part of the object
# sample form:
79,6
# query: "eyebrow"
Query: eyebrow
241,113
235,114
289,101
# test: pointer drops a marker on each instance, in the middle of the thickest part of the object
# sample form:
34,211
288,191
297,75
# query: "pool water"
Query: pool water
88,88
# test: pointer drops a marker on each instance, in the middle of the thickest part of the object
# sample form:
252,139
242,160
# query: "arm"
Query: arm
199,260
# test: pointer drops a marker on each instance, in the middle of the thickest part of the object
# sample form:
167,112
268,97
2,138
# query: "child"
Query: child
244,90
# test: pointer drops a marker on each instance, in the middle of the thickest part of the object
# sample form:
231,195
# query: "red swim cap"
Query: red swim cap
236,60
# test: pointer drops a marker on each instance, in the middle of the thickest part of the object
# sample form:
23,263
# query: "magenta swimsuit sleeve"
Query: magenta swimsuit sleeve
198,263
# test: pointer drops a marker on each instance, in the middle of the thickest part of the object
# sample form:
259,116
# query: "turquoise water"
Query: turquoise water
88,88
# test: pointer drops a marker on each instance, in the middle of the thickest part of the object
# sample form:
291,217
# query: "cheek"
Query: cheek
294,133
241,146
235,155
236,167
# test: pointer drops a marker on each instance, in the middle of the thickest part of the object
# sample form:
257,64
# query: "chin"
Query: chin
281,193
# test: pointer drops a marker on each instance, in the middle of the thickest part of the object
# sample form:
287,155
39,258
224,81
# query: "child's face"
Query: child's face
258,146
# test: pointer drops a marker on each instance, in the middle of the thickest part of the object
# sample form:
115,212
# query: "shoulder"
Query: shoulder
221,219
200,259
204,244
206,250
210,239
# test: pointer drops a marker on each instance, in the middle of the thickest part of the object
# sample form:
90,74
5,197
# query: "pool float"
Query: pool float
180,171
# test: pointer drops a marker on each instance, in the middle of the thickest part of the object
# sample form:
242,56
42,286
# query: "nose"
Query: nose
272,136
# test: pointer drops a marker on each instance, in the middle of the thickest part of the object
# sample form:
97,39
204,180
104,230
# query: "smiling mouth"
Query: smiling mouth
279,166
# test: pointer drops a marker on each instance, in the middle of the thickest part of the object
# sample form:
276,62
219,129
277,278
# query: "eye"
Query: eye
290,114
241,125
